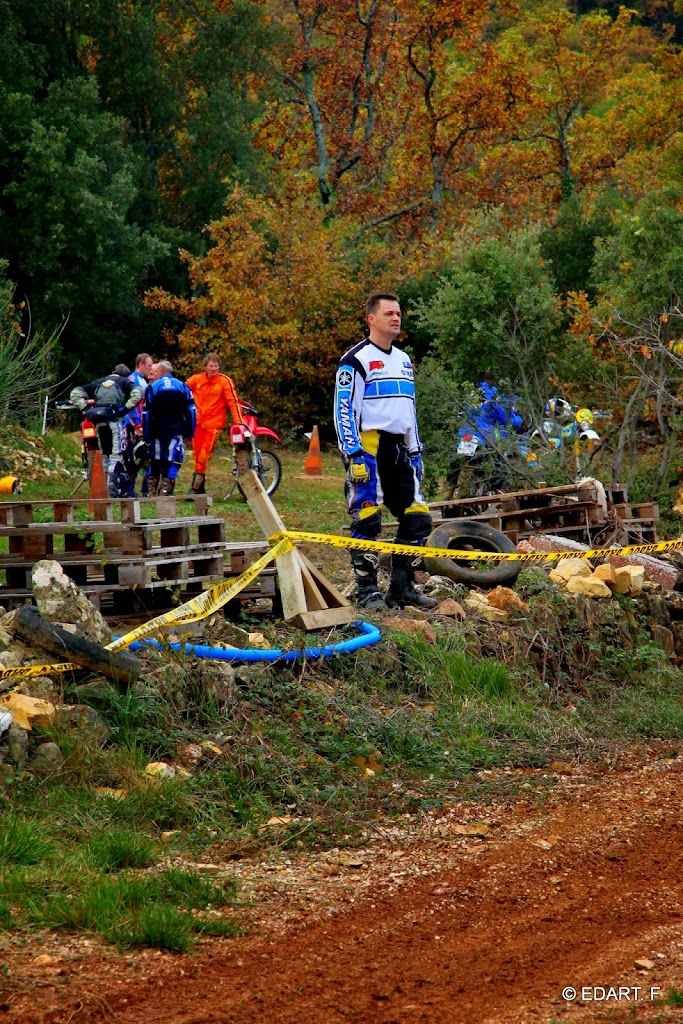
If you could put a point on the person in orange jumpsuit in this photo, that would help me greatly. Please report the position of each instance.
(215, 395)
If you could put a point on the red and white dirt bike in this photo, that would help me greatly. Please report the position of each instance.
(265, 463)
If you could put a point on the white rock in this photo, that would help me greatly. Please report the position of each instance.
(60, 600)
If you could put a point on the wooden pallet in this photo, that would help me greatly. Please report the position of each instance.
(69, 510)
(125, 563)
(572, 511)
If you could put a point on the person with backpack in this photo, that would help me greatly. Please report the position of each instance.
(105, 402)
(134, 455)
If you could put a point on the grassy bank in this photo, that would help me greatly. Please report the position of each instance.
(323, 748)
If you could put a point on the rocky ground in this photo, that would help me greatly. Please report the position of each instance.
(567, 906)
(516, 912)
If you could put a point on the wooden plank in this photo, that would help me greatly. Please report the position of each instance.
(292, 592)
(302, 592)
(325, 619)
(63, 512)
(645, 510)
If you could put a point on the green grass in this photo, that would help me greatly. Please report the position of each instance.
(114, 850)
(22, 841)
(390, 730)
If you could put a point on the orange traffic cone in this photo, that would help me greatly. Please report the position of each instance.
(314, 463)
(98, 480)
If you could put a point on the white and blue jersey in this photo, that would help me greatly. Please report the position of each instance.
(375, 391)
(134, 416)
(374, 416)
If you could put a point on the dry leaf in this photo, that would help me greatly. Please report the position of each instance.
(369, 764)
(279, 821)
(115, 794)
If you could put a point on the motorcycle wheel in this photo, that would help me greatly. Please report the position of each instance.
(464, 535)
(268, 468)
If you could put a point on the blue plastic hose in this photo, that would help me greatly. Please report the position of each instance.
(369, 635)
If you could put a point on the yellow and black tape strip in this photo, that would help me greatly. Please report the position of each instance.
(472, 556)
(199, 607)
(206, 603)
(30, 671)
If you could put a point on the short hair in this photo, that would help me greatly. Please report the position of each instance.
(212, 356)
(142, 358)
(122, 370)
(165, 367)
(374, 301)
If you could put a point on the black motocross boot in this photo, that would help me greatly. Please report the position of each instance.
(197, 486)
(368, 594)
(402, 589)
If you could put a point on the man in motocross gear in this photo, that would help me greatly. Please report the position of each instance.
(132, 428)
(105, 402)
(376, 425)
(168, 420)
(215, 395)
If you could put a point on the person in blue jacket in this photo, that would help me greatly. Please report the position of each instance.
(483, 438)
(168, 420)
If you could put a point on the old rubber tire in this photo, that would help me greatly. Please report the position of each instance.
(465, 535)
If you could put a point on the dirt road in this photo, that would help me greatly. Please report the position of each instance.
(484, 913)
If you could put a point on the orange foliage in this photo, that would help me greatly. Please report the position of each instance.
(276, 298)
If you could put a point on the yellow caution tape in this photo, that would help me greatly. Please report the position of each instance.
(209, 601)
(472, 556)
(206, 603)
(199, 607)
(29, 671)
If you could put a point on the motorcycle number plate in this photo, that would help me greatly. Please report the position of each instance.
(467, 447)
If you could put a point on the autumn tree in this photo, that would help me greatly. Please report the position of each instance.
(604, 98)
(336, 79)
(276, 296)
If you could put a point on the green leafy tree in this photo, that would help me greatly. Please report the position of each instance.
(26, 359)
(119, 127)
(495, 315)
(65, 221)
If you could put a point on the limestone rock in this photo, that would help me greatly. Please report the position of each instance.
(17, 744)
(451, 608)
(42, 687)
(412, 627)
(629, 579)
(441, 588)
(60, 600)
(27, 711)
(480, 605)
(567, 568)
(607, 574)
(48, 758)
(86, 721)
(506, 599)
(591, 586)
(6, 638)
(160, 770)
(664, 637)
(657, 610)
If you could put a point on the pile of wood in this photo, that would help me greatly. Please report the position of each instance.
(125, 563)
(584, 512)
